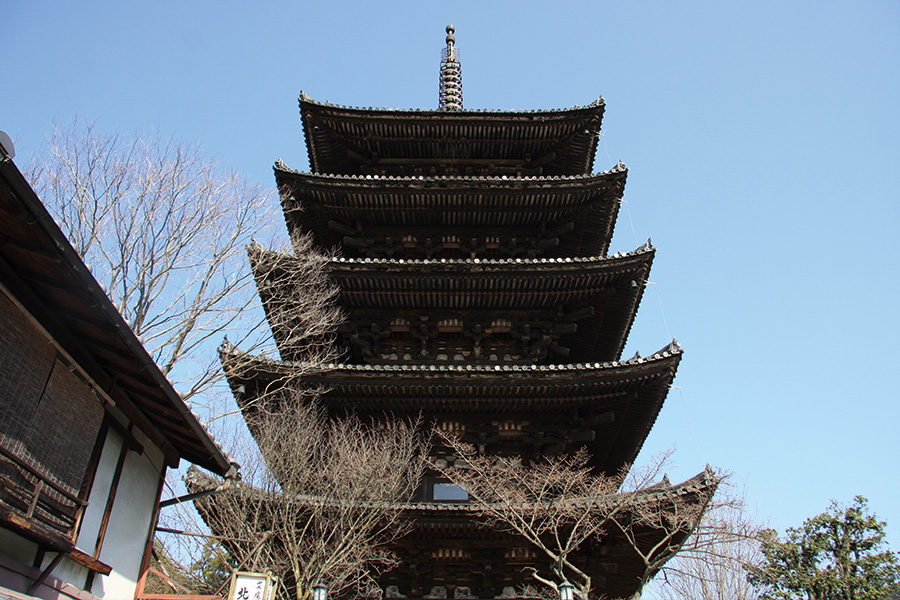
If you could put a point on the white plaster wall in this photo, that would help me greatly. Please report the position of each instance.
(129, 525)
(93, 515)
(67, 570)
(151, 452)
(129, 521)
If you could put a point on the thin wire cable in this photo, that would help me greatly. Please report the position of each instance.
(662, 312)
(655, 290)
(606, 148)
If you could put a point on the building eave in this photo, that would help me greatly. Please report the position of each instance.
(609, 289)
(342, 139)
(56, 285)
(618, 401)
(578, 211)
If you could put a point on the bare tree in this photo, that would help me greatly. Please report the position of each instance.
(326, 503)
(714, 562)
(559, 504)
(556, 505)
(299, 300)
(659, 528)
(301, 307)
(163, 230)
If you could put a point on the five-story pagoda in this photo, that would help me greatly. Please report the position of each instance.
(474, 272)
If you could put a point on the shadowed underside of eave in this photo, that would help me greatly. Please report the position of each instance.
(609, 408)
(425, 217)
(590, 303)
(343, 140)
(50, 282)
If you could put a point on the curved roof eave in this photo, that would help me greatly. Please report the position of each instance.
(379, 181)
(341, 139)
(306, 100)
(237, 361)
(615, 262)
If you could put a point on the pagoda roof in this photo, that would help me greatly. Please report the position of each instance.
(346, 140)
(628, 393)
(590, 202)
(485, 283)
(696, 484)
(705, 481)
(609, 289)
(615, 567)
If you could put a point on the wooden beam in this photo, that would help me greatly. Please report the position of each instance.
(151, 534)
(45, 573)
(89, 562)
(87, 482)
(34, 499)
(39, 251)
(41, 476)
(110, 499)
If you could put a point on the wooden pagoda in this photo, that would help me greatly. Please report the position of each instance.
(479, 292)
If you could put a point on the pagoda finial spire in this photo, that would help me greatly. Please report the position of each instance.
(451, 75)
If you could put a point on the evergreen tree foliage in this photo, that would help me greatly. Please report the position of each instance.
(837, 555)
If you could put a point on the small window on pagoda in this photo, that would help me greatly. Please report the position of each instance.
(449, 492)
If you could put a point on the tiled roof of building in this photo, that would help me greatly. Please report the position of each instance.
(344, 140)
(607, 289)
(610, 407)
(579, 210)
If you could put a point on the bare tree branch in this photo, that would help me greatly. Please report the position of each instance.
(559, 504)
(163, 230)
(328, 498)
(714, 561)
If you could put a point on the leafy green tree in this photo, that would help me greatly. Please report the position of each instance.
(837, 555)
(213, 567)
(205, 575)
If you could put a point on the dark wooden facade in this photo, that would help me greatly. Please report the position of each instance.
(471, 311)
(474, 270)
(454, 216)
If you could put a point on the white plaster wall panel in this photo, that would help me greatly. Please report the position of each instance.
(151, 452)
(93, 516)
(67, 570)
(129, 525)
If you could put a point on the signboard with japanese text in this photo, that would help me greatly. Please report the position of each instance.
(253, 586)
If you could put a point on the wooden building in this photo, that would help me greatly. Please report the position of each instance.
(88, 423)
(475, 273)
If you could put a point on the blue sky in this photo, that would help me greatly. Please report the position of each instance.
(763, 142)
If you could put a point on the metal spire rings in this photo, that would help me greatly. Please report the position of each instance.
(451, 75)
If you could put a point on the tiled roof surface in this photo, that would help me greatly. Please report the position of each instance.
(505, 207)
(343, 140)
